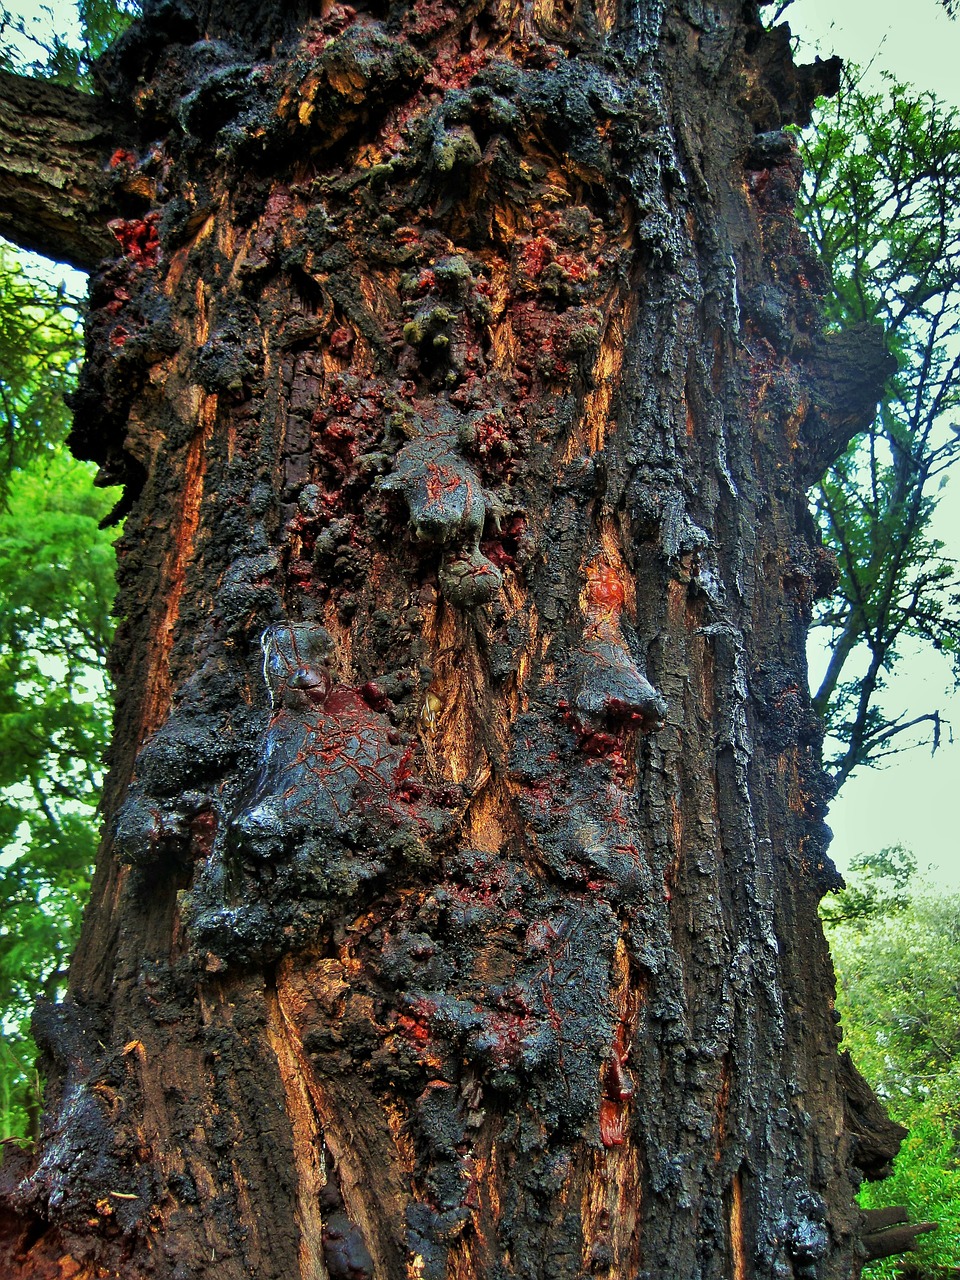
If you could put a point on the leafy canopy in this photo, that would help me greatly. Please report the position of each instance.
(56, 588)
(878, 884)
(38, 46)
(39, 351)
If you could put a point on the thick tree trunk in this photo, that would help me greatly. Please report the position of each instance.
(457, 916)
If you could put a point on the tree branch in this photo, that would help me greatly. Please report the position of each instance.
(876, 1138)
(53, 183)
(887, 1232)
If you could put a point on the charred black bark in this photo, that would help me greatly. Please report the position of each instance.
(457, 916)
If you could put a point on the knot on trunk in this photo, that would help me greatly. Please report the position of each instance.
(846, 378)
(876, 1138)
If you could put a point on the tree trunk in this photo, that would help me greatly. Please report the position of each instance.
(457, 915)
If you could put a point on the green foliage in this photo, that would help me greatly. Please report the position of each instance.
(56, 587)
(881, 201)
(898, 968)
(38, 354)
(878, 884)
(56, 583)
(900, 990)
(38, 46)
(926, 1180)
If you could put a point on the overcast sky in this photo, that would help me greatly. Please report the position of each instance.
(916, 41)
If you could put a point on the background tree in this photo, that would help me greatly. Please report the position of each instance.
(422, 362)
(878, 885)
(897, 949)
(40, 47)
(880, 200)
(56, 585)
(39, 347)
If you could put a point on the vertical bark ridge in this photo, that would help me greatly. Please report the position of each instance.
(307, 1139)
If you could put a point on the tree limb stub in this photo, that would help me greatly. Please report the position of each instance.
(53, 143)
(875, 1220)
(846, 377)
(886, 1233)
(877, 1137)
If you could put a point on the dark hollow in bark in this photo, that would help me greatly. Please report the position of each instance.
(457, 915)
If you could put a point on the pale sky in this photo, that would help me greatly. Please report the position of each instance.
(915, 40)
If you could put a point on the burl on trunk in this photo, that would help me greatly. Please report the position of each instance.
(457, 913)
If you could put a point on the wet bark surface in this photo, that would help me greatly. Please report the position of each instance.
(457, 914)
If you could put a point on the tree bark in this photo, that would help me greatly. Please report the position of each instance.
(55, 182)
(887, 1233)
(457, 915)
